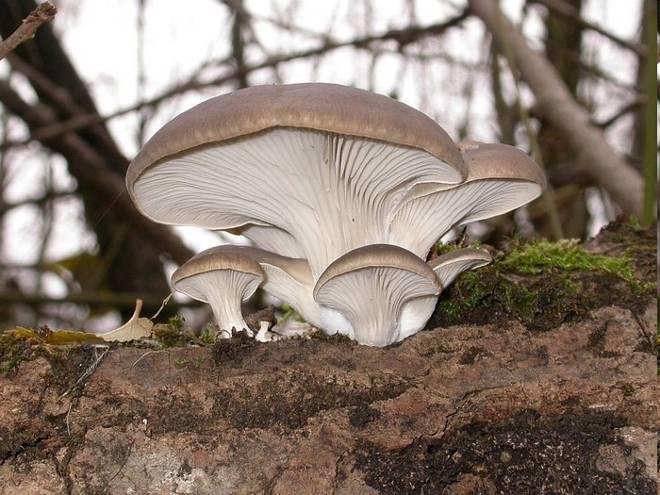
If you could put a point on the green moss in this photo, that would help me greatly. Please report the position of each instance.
(176, 323)
(544, 284)
(174, 334)
(12, 352)
(485, 295)
(288, 312)
(538, 257)
(208, 335)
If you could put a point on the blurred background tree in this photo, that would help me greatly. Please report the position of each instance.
(578, 92)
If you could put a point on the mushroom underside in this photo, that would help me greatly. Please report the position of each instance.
(332, 193)
(420, 222)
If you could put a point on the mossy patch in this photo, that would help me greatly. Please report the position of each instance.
(13, 350)
(67, 362)
(565, 256)
(174, 333)
(545, 284)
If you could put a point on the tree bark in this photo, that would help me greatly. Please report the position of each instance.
(489, 408)
(555, 102)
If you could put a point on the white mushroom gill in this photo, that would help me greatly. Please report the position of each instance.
(450, 265)
(297, 293)
(297, 290)
(371, 299)
(421, 221)
(332, 193)
(223, 290)
(271, 239)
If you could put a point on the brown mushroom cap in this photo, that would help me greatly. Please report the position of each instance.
(325, 107)
(489, 161)
(449, 265)
(246, 259)
(500, 161)
(207, 261)
(376, 256)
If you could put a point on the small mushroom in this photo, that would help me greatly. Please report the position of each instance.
(500, 178)
(222, 282)
(370, 286)
(288, 279)
(450, 265)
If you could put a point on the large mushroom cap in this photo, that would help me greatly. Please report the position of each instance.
(222, 280)
(370, 286)
(327, 107)
(325, 165)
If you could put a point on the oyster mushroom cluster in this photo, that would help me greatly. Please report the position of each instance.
(342, 192)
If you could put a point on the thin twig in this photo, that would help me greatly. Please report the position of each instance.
(145, 355)
(42, 14)
(46, 198)
(68, 427)
(162, 306)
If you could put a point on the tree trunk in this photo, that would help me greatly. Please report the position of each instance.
(555, 103)
(132, 258)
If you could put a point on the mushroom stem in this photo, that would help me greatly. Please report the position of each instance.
(226, 303)
(263, 333)
(223, 291)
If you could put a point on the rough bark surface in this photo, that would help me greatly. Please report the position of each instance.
(478, 408)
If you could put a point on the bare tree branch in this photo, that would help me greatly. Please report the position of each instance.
(43, 13)
(49, 196)
(403, 36)
(117, 300)
(556, 104)
(89, 166)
